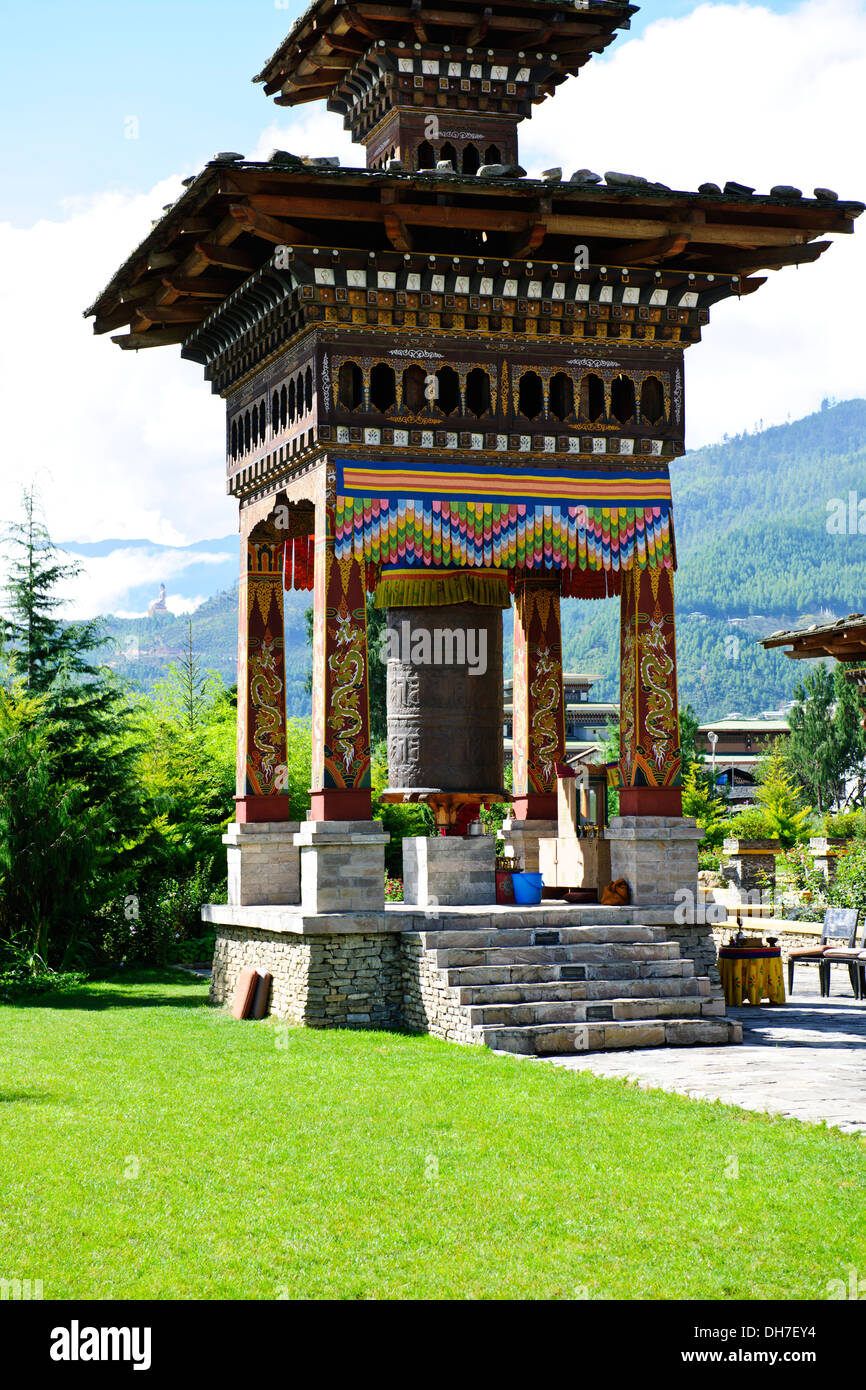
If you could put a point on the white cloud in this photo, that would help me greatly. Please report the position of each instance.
(130, 445)
(105, 582)
(735, 91)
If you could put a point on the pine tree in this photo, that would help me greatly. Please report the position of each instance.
(72, 816)
(780, 799)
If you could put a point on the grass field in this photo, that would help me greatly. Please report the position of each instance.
(151, 1147)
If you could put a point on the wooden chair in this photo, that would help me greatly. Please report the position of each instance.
(839, 928)
(852, 956)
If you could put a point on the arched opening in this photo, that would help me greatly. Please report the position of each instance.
(478, 392)
(652, 401)
(425, 155)
(247, 431)
(492, 155)
(448, 399)
(622, 401)
(448, 152)
(414, 380)
(284, 408)
(383, 387)
(292, 400)
(256, 435)
(531, 396)
(592, 398)
(234, 439)
(351, 386)
(275, 413)
(561, 396)
(471, 159)
(308, 388)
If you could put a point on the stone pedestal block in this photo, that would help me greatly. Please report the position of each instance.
(263, 866)
(656, 855)
(522, 837)
(825, 853)
(449, 871)
(750, 870)
(342, 866)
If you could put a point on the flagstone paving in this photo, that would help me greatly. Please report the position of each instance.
(805, 1059)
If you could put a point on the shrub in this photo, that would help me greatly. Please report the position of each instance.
(847, 824)
(18, 983)
(849, 889)
(393, 889)
(748, 825)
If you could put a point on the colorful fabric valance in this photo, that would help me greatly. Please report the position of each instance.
(445, 515)
(417, 586)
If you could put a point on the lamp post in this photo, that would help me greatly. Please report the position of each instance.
(713, 739)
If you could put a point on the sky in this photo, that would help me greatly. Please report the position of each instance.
(108, 104)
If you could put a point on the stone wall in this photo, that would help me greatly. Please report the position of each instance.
(341, 980)
(429, 1005)
(700, 944)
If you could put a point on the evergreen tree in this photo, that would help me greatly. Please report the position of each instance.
(71, 813)
(823, 745)
(780, 799)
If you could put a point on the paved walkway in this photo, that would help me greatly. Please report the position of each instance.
(805, 1059)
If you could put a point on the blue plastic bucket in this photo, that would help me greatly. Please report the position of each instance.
(527, 888)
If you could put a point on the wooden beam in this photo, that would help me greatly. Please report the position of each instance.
(268, 228)
(656, 249)
(191, 311)
(229, 256)
(432, 215)
(200, 286)
(570, 224)
(157, 337)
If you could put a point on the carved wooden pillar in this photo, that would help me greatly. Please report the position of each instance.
(262, 790)
(539, 710)
(649, 725)
(341, 705)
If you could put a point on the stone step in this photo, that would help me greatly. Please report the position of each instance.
(545, 1039)
(537, 1012)
(568, 972)
(577, 954)
(675, 987)
(435, 939)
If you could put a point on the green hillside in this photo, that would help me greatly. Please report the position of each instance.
(754, 552)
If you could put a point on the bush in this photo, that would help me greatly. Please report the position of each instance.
(393, 890)
(709, 859)
(849, 889)
(162, 922)
(748, 825)
(847, 824)
(18, 983)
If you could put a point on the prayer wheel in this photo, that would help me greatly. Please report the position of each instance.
(445, 698)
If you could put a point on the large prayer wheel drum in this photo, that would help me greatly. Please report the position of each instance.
(445, 712)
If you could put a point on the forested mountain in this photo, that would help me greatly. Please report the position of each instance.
(764, 540)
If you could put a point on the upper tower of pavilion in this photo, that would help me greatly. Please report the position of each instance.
(438, 81)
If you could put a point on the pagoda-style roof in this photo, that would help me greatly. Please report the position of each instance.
(332, 35)
(845, 640)
(225, 226)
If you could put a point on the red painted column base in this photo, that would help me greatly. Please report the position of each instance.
(650, 801)
(337, 803)
(534, 806)
(262, 808)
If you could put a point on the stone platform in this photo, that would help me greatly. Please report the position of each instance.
(535, 980)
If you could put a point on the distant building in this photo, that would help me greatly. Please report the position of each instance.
(741, 743)
(586, 720)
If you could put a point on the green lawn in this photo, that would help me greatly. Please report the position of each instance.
(275, 1162)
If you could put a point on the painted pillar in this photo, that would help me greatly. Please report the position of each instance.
(539, 708)
(262, 790)
(649, 765)
(342, 752)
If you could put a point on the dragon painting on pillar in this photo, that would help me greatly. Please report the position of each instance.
(649, 726)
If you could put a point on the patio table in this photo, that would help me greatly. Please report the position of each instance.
(752, 973)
